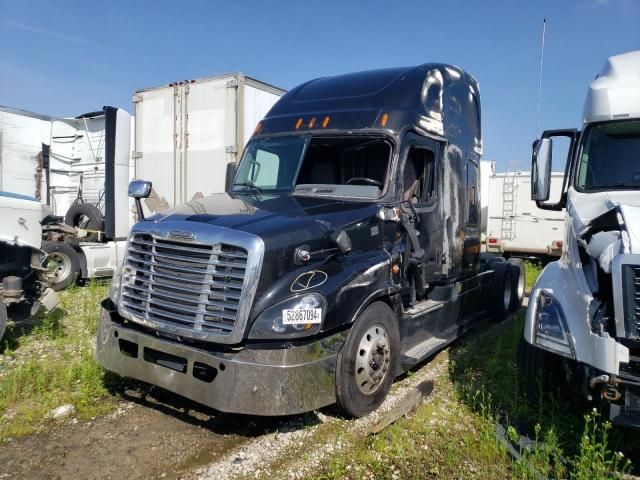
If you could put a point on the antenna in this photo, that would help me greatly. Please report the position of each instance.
(544, 30)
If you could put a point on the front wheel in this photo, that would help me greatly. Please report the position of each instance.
(368, 361)
(62, 264)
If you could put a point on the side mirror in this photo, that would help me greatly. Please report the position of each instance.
(541, 170)
(342, 241)
(232, 168)
(139, 189)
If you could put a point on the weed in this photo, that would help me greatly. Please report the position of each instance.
(49, 361)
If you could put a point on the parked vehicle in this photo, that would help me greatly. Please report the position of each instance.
(187, 132)
(515, 225)
(346, 251)
(78, 168)
(22, 281)
(582, 326)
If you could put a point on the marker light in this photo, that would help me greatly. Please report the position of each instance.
(258, 128)
(384, 119)
(312, 122)
(298, 123)
(325, 122)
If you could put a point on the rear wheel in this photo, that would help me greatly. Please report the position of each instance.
(519, 273)
(62, 264)
(368, 361)
(501, 291)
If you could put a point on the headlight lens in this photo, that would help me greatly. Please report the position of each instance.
(551, 330)
(295, 317)
(114, 289)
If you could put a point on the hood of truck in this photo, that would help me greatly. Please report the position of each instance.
(284, 223)
(272, 216)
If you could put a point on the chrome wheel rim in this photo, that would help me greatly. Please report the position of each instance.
(373, 359)
(520, 285)
(58, 266)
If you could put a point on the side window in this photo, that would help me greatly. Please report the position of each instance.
(263, 170)
(473, 195)
(419, 176)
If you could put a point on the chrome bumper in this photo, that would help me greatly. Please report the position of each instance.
(268, 382)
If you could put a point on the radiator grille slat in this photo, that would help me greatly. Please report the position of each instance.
(631, 295)
(187, 285)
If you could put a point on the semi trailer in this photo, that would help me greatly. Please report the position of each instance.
(582, 328)
(515, 225)
(345, 251)
(186, 133)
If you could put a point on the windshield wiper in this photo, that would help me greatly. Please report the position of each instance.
(248, 184)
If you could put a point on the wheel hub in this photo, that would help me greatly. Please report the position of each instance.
(373, 359)
(59, 266)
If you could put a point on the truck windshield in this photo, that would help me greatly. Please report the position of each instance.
(610, 157)
(315, 166)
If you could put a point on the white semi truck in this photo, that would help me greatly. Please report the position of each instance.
(186, 133)
(22, 279)
(582, 325)
(79, 169)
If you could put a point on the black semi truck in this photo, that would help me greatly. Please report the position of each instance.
(345, 251)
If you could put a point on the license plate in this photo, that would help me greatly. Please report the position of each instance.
(301, 316)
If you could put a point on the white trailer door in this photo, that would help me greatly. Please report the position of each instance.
(209, 136)
(157, 118)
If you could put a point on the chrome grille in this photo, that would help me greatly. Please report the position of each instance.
(631, 296)
(183, 284)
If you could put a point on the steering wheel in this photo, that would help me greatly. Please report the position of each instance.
(364, 181)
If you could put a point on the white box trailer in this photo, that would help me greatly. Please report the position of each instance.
(515, 226)
(187, 132)
(78, 168)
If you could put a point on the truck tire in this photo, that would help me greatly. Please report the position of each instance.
(87, 216)
(520, 278)
(63, 263)
(368, 361)
(501, 291)
(538, 368)
(4, 316)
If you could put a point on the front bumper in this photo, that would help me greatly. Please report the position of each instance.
(270, 382)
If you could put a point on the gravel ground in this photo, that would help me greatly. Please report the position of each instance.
(302, 443)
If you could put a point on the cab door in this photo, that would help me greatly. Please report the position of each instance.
(420, 194)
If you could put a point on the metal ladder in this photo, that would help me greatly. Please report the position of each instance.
(508, 227)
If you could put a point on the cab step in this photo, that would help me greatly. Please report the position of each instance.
(423, 307)
(428, 347)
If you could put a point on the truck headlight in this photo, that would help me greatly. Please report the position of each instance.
(295, 317)
(551, 330)
(114, 289)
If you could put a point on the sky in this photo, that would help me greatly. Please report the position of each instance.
(68, 57)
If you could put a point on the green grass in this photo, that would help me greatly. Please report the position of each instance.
(452, 434)
(443, 438)
(49, 361)
(532, 270)
(564, 428)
